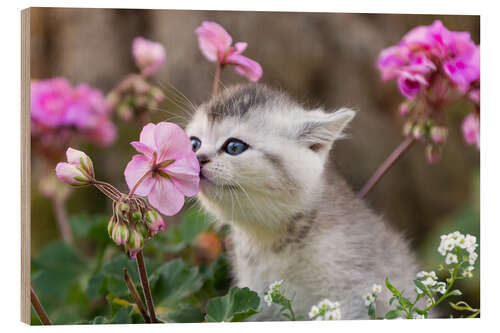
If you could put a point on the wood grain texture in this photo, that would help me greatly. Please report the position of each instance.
(25, 168)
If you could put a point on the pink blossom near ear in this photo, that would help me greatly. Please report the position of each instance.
(471, 129)
(410, 84)
(148, 55)
(464, 68)
(166, 167)
(215, 44)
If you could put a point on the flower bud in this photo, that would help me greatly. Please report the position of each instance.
(154, 221)
(157, 94)
(407, 128)
(125, 112)
(72, 175)
(433, 153)
(439, 134)
(148, 55)
(78, 170)
(418, 131)
(143, 230)
(120, 234)
(122, 210)
(404, 109)
(135, 242)
(111, 226)
(137, 216)
(81, 160)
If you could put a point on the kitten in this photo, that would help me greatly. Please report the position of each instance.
(264, 171)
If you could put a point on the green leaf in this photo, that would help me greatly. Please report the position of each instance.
(405, 302)
(187, 314)
(57, 268)
(90, 227)
(113, 272)
(174, 281)
(237, 305)
(371, 310)
(393, 314)
(123, 316)
(392, 289)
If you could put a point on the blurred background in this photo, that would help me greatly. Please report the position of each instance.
(319, 58)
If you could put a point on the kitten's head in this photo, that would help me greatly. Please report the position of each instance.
(262, 155)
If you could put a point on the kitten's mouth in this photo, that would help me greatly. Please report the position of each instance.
(206, 182)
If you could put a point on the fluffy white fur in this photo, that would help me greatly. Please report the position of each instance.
(291, 219)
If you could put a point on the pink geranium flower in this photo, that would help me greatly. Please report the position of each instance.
(148, 55)
(166, 170)
(60, 112)
(471, 129)
(215, 44)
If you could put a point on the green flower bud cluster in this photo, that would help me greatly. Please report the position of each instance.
(133, 222)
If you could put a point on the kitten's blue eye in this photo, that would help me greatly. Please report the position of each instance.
(235, 146)
(195, 143)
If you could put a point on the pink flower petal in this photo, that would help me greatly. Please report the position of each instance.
(147, 135)
(135, 169)
(246, 67)
(143, 149)
(166, 198)
(170, 141)
(213, 40)
(185, 173)
(240, 47)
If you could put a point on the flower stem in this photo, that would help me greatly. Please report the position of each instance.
(107, 193)
(215, 87)
(136, 296)
(39, 308)
(62, 219)
(386, 165)
(145, 286)
(132, 191)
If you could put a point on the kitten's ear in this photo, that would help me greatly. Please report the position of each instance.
(321, 129)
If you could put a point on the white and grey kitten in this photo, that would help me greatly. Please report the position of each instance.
(264, 169)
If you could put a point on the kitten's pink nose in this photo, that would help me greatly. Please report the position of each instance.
(203, 159)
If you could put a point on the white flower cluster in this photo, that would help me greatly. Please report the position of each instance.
(456, 240)
(274, 289)
(370, 297)
(429, 279)
(325, 310)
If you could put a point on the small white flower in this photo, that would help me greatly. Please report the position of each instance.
(428, 302)
(432, 274)
(442, 250)
(377, 289)
(461, 242)
(276, 285)
(268, 299)
(468, 272)
(325, 304)
(333, 315)
(421, 274)
(449, 244)
(450, 259)
(314, 312)
(472, 258)
(419, 291)
(368, 298)
(429, 282)
(418, 316)
(441, 287)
